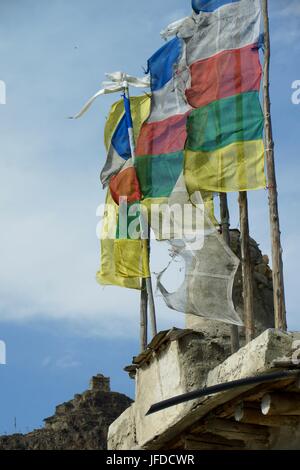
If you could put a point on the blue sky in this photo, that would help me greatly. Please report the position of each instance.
(59, 325)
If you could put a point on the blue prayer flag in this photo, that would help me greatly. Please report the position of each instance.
(209, 5)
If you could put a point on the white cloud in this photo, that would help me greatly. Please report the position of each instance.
(65, 362)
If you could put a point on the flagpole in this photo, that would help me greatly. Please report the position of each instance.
(150, 294)
(277, 264)
(246, 268)
(146, 289)
(225, 225)
(143, 316)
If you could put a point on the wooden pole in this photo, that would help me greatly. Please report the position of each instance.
(225, 218)
(246, 268)
(277, 265)
(146, 289)
(246, 413)
(143, 316)
(274, 404)
(150, 293)
(225, 225)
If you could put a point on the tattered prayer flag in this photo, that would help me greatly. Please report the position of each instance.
(124, 261)
(116, 134)
(125, 183)
(224, 149)
(206, 123)
(206, 117)
(160, 145)
(108, 273)
(210, 5)
(210, 268)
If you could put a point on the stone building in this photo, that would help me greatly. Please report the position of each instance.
(261, 415)
(265, 415)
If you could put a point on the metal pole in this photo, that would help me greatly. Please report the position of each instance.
(277, 264)
(225, 224)
(146, 291)
(246, 268)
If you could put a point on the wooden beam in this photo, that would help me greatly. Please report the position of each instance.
(245, 413)
(210, 441)
(246, 268)
(283, 363)
(233, 430)
(225, 226)
(190, 444)
(281, 404)
(277, 264)
(209, 437)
